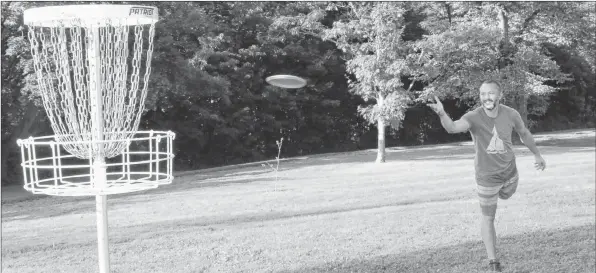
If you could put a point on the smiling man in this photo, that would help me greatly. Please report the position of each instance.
(491, 126)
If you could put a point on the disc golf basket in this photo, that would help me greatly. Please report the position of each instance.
(92, 64)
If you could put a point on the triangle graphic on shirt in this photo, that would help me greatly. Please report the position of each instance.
(495, 146)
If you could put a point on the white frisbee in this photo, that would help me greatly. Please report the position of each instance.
(286, 81)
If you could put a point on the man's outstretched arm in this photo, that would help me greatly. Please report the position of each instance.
(452, 127)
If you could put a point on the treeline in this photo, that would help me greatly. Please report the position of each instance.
(369, 66)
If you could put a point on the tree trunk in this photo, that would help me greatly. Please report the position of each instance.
(381, 140)
(506, 52)
(588, 112)
(521, 102)
(381, 131)
(504, 24)
(505, 46)
(448, 10)
(4, 164)
(523, 108)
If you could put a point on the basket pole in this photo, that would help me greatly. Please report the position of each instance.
(99, 169)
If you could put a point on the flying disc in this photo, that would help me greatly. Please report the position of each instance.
(286, 81)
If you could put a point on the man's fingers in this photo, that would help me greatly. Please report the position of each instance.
(437, 99)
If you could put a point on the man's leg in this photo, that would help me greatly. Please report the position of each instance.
(489, 236)
(489, 194)
(488, 203)
(488, 197)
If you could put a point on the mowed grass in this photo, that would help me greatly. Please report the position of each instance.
(418, 212)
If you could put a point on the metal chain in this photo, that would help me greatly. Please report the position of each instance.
(61, 60)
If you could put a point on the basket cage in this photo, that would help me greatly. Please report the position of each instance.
(145, 163)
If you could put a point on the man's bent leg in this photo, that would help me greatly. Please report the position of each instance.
(509, 187)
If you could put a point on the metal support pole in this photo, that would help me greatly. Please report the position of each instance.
(101, 202)
(99, 168)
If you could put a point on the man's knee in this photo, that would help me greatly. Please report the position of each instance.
(504, 196)
(506, 193)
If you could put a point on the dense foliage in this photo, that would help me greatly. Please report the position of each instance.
(368, 66)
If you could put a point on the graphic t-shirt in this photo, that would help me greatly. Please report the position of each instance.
(492, 139)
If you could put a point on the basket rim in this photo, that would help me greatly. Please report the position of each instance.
(51, 139)
(100, 15)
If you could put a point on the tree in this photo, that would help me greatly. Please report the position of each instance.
(573, 105)
(22, 113)
(470, 42)
(371, 37)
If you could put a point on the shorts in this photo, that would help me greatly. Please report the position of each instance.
(492, 187)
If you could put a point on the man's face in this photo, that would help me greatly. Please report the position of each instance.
(490, 96)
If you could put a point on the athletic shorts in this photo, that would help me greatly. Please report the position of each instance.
(492, 187)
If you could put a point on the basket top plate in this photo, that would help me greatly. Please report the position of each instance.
(90, 15)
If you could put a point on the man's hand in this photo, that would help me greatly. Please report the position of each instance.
(539, 164)
(451, 127)
(437, 107)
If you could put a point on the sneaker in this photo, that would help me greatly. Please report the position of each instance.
(494, 265)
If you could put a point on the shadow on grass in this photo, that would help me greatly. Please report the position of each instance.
(581, 141)
(200, 183)
(194, 181)
(275, 215)
(564, 250)
(548, 144)
(55, 205)
(88, 205)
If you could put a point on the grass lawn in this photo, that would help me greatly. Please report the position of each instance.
(418, 212)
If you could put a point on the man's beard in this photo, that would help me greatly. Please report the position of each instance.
(489, 104)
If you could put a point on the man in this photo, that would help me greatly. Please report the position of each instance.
(491, 126)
